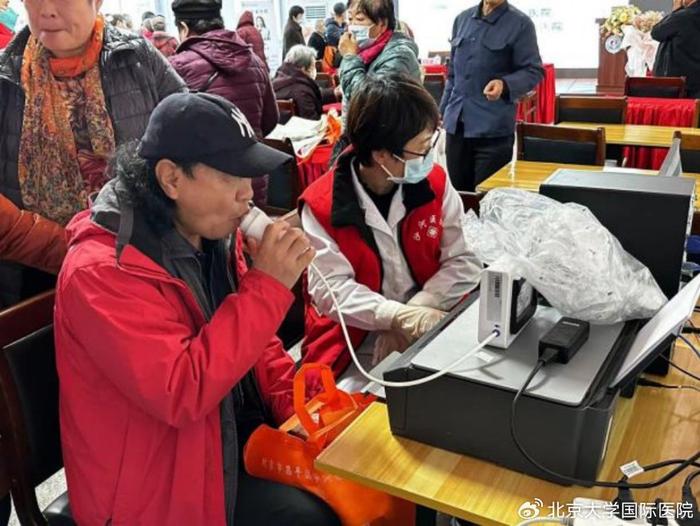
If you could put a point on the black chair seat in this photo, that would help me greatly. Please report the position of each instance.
(58, 512)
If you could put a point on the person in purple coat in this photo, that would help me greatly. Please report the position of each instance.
(250, 34)
(215, 60)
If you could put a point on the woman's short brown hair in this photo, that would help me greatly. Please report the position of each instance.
(376, 10)
(386, 112)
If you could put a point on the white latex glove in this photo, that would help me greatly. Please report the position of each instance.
(414, 322)
(387, 342)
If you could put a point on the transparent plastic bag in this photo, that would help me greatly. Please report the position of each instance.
(565, 253)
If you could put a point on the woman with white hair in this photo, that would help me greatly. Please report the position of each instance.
(296, 80)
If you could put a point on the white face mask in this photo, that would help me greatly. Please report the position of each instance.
(361, 34)
(415, 170)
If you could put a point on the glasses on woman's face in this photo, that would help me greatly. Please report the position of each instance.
(433, 143)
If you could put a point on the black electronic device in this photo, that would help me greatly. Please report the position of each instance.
(566, 338)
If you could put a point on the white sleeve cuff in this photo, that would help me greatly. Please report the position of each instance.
(385, 314)
(425, 299)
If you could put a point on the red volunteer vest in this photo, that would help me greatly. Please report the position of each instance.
(334, 203)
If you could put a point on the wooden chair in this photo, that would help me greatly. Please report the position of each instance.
(605, 110)
(287, 110)
(471, 200)
(528, 103)
(324, 80)
(444, 56)
(29, 425)
(696, 115)
(554, 144)
(435, 85)
(319, 66)
(690, 152)
(661, 87)
(284, 185)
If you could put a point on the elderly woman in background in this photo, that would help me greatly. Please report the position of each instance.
(71, 90)
(296, 80)
(154, 30)
(317, 40)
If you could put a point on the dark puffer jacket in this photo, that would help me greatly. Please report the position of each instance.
(293, 35)
(242, 78)
(291, 82)
(135, 78)
(248, 32)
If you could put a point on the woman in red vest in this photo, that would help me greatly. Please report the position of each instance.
(387, 227)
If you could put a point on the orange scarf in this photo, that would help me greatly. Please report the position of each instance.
(67, 133)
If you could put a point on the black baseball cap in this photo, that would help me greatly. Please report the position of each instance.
(208, 129)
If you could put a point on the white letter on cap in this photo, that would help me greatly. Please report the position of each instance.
(243, 123)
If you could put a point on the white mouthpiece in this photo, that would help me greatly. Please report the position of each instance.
(254, 223)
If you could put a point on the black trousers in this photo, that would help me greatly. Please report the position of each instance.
(264, 503)
(5, 510)
(470, 161)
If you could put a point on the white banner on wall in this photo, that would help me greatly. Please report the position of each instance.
(567, 31)
(267, 20)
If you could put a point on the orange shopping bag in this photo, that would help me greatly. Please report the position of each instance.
(279, 456)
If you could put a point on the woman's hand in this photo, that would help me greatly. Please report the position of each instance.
(348, 45)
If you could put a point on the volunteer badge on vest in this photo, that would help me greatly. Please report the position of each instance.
(428, 227)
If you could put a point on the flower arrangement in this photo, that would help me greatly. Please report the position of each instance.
(620, 16)
(647, 20)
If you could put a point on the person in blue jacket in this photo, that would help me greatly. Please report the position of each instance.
(495, 60)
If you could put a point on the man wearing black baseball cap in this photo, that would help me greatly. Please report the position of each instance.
(165, 343)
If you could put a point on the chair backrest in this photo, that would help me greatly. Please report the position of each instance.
(319, 66)
(690, 152)
(29, 424)
(470, 200)
(659, 87)
(528, 103)
(696, 115)
(555, 144)
(605, 110)
(284, 184)
(444, 56)
(324, 80)
(435, 84)
(287, 110)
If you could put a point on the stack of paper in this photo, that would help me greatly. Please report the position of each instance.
(304, 134)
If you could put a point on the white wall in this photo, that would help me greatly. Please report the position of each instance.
(567, 32)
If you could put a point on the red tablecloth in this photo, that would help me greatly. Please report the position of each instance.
(546, 93)
(435, 69)
(315, 166)
(337, 106)
(657, 112)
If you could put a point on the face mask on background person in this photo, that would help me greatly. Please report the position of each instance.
(361, 34)
(415, 170)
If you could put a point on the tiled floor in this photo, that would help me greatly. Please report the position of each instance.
(573, 86)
